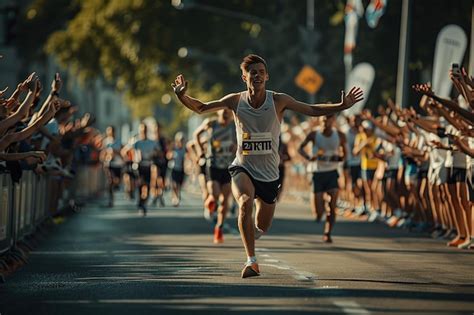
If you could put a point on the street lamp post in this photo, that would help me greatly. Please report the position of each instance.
(310, 28)
(403, 54)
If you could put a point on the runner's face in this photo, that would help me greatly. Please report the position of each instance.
(329, 121)
(256, 76)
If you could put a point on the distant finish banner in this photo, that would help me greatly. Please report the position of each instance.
(450, 48)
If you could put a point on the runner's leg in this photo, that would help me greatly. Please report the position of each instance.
(244, 192)
(264, 215)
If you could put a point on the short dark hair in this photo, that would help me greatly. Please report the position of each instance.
(251, 59)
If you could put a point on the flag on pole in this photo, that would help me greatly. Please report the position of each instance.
(374, 12)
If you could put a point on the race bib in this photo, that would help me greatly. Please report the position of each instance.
(257, 143)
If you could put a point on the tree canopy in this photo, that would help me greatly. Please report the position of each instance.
(134, 44)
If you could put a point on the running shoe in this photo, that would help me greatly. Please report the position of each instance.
(456, 242)
(327, 238)
(142, 210)
(250, 270)
(466, 244)
(401, 223)
(218, 235)
(438, 234)
(450, 234)
(373, 216)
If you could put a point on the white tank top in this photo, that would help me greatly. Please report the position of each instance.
(258, 132)
(326, 147)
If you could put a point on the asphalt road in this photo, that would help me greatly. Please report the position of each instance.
(112, 261)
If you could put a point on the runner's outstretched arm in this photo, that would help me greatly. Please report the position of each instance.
(287, 102)
(180, 87)
(309, 138)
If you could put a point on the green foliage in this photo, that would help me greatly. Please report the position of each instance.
(133, 44)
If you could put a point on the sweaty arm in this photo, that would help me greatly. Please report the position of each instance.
(465, 114)
(284, 101)
(180, 87)
(309, 138)
(6, 140)
(428, 125)
(197, 135)
(229, 101)
(19, 114)
(21, 155)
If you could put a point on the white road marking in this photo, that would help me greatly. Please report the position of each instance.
(351, 307)
(278, 264)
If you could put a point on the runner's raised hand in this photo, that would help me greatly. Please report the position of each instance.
(180, 85)
(355, 95)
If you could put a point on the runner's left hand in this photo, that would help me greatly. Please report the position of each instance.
(355, 95)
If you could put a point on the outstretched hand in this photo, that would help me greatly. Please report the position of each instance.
(355, 95)
(424, 89)
(180, 85)
(57, 83)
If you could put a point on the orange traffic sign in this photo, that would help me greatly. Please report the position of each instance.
(309, 80)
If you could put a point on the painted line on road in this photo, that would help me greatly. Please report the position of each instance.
(302, 276)
(351, 307)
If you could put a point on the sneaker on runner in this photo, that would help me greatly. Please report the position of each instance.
(218, 235)
(250, 270)
(327, 238)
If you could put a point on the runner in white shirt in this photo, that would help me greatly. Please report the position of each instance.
(257, 115)
(113, 161)
(329, 149)
(145, 151)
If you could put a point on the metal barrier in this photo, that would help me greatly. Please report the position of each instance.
(6, 207)
(26, 205)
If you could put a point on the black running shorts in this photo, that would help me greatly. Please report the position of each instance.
(177, 176)
(115, 171)
(325, 181)
(267, 191)
(145, 173)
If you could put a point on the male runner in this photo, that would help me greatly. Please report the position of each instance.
(257, 115)
(144, 152)
(328, 144)
(220, 153)
(113, 161)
